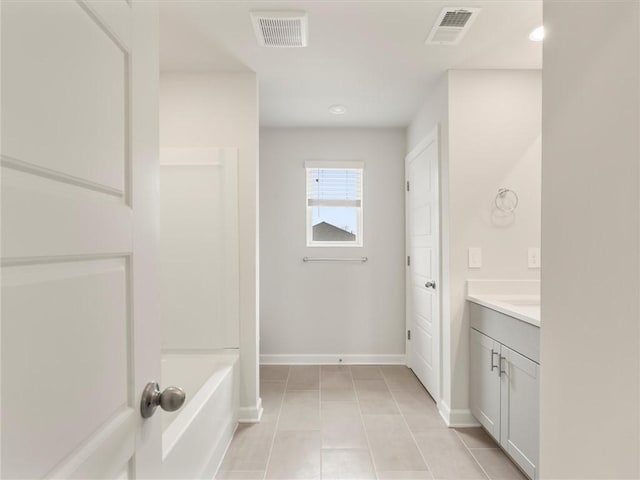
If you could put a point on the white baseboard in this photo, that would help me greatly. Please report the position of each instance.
(332, 359)
(251, 414)
(456, 418)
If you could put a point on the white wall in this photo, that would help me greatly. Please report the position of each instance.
(435, 112)
(590, 346)
(491, 138)
(221, 110)
(334, 309)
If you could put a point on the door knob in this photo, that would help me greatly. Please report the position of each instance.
(430, 285)
(170, 399)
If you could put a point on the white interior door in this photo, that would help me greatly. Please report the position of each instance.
(80, 326)
(423, 277)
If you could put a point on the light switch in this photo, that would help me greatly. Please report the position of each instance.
(475, 257)
(533, 257)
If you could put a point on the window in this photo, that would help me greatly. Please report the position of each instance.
(334, 204)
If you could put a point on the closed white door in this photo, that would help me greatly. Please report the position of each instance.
(80, 323)
(484, 381)
(423, 278)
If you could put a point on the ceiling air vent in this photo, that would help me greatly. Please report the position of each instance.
(280, 29)
(452, 25)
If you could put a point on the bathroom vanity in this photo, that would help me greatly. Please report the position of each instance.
(505, 369)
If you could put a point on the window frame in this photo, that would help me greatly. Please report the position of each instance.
(335, 164)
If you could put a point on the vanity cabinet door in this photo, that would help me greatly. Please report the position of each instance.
(520, 412)
(485, 382)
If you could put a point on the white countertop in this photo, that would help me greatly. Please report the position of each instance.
(518, 299)
(523, 307)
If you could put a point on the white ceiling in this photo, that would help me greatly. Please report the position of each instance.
(367, 55)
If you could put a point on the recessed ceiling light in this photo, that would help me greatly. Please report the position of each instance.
(338, 109)
(537, 35)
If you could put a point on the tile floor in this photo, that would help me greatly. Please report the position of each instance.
(356, 422)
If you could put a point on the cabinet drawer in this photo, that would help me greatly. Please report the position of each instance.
(519, 336)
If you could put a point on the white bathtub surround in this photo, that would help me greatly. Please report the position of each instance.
(208, 110)
(196, 437)
(517, 298)
(199, 248)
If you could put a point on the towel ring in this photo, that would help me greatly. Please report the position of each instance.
(502, 200)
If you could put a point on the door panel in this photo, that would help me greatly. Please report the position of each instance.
(423, 244)
(485, 381)
(423, 262)
(48, 217)
(422, 227)
(422, 303)
(46, 309)
(520, 414)
(73, 256)
(86, 86)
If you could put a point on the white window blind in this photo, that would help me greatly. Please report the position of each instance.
(334, 187)
(334, 203)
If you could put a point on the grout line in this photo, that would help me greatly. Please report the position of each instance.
(482, 448)
(415, 442)
(364, 427)
(275, 432)
(471, 453)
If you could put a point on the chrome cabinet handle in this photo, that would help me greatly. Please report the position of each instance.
(430, 285)
(170, 399)
(501, 370)
(493, 352)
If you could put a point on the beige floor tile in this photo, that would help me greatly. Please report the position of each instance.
(392, 445)
(300, 411)
(271, 393)
(447, 456)
(375, 397)
(399, 377)
(414, 402)
(274, 372)
(250, 475)
(336, 380)
(295, 455)
(342, 426)
(497, 464)
(338, 394)
(423, 475)
(426, 421)
(335, 369)
(250, 447)
(304, 378)
(476, 438)
(366, 372)
(343, 464)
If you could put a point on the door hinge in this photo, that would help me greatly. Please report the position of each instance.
(408, 186)
(408, 261)
(408, 334)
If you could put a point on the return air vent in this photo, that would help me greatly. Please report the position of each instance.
(452, 25)
(280, 29)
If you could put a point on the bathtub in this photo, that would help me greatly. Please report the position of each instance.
(195, 437)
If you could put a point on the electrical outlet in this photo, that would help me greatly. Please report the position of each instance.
(475, 257)
(533, 257)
